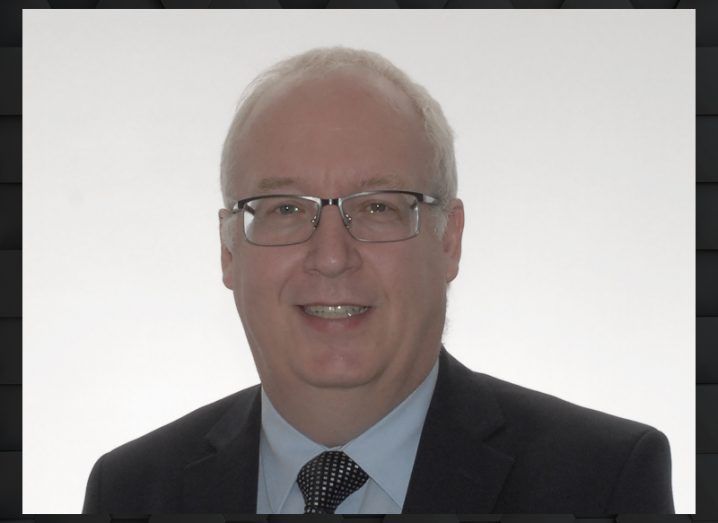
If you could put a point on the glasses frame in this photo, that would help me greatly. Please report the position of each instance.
(239, 206)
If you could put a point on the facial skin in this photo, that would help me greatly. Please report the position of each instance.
(332, 136)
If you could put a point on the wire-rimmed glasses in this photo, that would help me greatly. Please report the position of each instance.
(372, 216)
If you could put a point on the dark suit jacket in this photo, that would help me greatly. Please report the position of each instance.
(486, 446)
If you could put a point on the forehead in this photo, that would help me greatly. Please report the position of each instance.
(342, 131)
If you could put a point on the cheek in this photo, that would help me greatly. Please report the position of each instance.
(261, 275)
(413, 278)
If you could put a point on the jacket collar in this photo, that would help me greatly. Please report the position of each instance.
(456, 470)
(224, 475)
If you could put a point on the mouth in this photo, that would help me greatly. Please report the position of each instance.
(334, 312)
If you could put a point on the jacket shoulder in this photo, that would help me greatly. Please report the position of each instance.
(550, 414)
(148, 469)
(181, 435)
(624, 464)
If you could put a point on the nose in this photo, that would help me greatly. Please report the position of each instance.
(332, 250)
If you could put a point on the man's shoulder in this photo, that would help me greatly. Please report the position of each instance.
(516, 410)
(550, 415)
(146, 473)
(624, 465)
(174, 445)
(562, 456)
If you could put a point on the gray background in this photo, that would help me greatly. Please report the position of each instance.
(575, 143)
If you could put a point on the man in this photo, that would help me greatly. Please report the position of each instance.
(340, 235)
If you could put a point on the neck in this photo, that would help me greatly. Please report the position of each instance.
(334, 416)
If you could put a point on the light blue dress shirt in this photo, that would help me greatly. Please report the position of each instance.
(385, 451)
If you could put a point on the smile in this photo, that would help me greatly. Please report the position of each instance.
(334, 312)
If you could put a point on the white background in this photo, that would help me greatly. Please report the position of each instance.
(575, 147)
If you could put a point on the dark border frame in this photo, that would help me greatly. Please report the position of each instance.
(11, 251)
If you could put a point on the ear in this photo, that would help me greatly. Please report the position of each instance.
(226, 255)
(451, 240)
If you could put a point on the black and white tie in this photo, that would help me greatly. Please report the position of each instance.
(327, 480)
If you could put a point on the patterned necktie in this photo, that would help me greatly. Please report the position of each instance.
(327, 480)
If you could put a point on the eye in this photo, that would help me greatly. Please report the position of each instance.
(288, 209)
(377, 208)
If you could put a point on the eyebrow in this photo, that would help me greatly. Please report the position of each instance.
(386, 181)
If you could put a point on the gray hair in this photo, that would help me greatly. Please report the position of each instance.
(321, 61)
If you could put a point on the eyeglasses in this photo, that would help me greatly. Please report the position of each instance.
(373, 216)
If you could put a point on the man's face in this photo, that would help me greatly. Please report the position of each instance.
(330, 137)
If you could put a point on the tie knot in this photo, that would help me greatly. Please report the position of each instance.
(327, 480)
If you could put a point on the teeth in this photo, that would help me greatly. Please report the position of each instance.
(334, 312)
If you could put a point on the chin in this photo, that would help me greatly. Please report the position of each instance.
(337, 381)
(340, 369)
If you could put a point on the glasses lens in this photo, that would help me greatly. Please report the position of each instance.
(279, 220)
(383, 217)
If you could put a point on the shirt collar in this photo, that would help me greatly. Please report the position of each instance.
(385, 451)
(283, 451)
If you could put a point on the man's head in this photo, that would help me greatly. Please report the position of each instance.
(331, 123)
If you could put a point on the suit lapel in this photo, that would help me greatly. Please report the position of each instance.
(225, 471)
(456, 470)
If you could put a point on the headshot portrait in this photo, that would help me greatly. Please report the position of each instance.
(291, 263)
